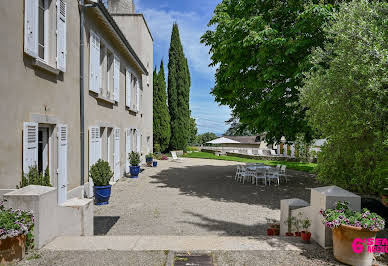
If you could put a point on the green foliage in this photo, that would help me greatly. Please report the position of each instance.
(161, 116)
(205, 137)
(300, 166)
(100, 173)
(16, 222)
(134, 158)
(260, 49)
(237, 128)
(150, 156)
(192, 131)
(347, 95)
(35, 178)
(157, 148)
(178, 93)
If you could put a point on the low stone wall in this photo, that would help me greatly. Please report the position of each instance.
(264, 158)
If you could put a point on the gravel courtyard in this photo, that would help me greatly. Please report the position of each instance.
(195, 197)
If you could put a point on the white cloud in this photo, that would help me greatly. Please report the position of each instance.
(191, 28)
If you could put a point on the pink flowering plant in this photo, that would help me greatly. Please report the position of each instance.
(16, 222)
(365, 219)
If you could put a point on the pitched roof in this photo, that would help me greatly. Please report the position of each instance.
(245, 139)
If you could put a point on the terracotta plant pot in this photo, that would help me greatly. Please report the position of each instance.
(297, 234)
(269, 232)
(12, 248)
(275, 231)
(343, 237)
(289, 234)
(305, 236)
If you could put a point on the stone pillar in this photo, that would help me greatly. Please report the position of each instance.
(278, 149)
(293, 150)
(285, 150)
(286, 207)
(326, 198)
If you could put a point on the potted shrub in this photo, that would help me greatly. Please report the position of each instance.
(297, 224)
(149, 158)
(16, 227)
(134, 160)
(290, 221)
(101, 174)
(305, 234)
(348, 225)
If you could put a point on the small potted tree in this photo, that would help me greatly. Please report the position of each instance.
(101, 174)
(134, 160)
(290, 222)
(149, 158)
(305, 234)
(349, 227)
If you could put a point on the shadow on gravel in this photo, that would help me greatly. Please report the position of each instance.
(217, 183)
(226, 228)
(102, 224)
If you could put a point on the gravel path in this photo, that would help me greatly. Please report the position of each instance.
(194, 197)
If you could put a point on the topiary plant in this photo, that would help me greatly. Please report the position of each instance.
(134, 158)
(100, 173)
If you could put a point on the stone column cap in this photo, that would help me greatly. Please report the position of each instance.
(335, 191)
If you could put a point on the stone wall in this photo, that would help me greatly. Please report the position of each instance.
(264, 158)
(121, 6)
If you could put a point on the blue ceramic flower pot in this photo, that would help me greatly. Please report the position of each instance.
(135, 170)
(102, 194)
(154, 163)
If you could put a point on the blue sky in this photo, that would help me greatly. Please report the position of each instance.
(192, 18)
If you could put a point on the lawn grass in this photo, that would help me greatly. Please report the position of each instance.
(306, 167)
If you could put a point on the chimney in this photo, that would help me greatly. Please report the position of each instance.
(121, 6)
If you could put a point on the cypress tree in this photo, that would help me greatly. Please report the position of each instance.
(164, 123)
(156, 107)
(178, 92)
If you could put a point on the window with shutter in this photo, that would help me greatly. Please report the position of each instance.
(138, 142)
(61, 35)
(117, 155)
(30, 146)
(137, 96)
(31, 27)
(94, 58)
(128, 89)
(116, 77)
(128, 148)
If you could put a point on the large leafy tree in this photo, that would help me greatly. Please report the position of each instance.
(193, 130)
(236, 128)
(205, 137)
(162, 130)
(178, 93)
(260, 49)
(347, 97)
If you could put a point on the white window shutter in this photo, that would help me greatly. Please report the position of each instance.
(31, 27)
(116, 78)
(62, 163)
(116, 160)
(61, 35)
(94, 152)
(94, 58)
(128, 140)
(30, 146)
(137, 96)
(138, 142)
(128, 88)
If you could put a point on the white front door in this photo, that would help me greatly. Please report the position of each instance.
(62, 164)
(116, 154)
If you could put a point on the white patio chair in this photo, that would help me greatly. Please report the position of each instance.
(260, 174)
(282, 172)
(239, 172)
(175, 157)
(273, 153)
(249, 175)
(272, 174)
(242, 172)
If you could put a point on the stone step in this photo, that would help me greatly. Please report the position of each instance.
(175, 243)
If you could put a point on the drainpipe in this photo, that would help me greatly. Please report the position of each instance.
(82, 8)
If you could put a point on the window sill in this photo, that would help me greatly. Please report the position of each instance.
(44, 66)
(102, 98)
